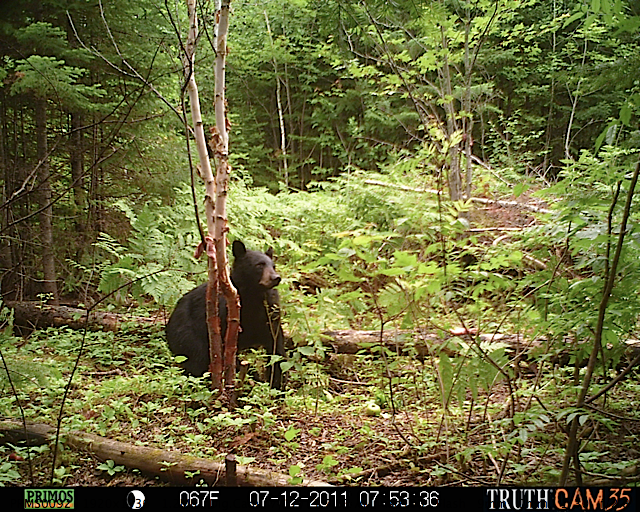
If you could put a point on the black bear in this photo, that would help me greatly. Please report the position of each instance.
(254, 276)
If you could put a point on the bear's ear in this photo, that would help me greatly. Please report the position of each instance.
(269, 252)
(239, 250)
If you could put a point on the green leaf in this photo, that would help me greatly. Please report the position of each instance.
(446, 375)
(329, 461)
(362, 240)
(347, 275)
(393, 272)
(589, 21)
(523, 435)
(291, 434)
(294, 470)
(286, 365)
(307, 351)
(625, 114)
(404, 259)
(600, 138)
(572, 18)
(519, 189)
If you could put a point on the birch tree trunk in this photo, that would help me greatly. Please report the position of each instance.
(283, 138)
(574, 98)
(213, 317)
(221, 152)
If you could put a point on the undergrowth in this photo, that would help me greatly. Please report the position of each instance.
(476, 384)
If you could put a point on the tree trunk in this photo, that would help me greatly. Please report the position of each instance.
(467, 120)
(223, 170)
(481, 200)
(283, 138)
(454, 178)
(547, 161)
(46, 216)
(574, 105)
(7, 275)
(213, 316)
(76, 162)
(16, 179)
(216, 190)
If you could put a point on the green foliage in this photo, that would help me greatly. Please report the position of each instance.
(8, 473)
(22, 370)
(110, 467)
(48, 77)
(155, 260)
(328, 462)
(557, 70)
(588, 226)
(45, 39)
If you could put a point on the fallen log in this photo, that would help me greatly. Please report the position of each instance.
(168, 466)
(424, 344)
(349, 341)
(35, 315)
(481, 200)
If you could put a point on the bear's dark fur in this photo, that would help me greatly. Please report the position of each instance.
(254, 276)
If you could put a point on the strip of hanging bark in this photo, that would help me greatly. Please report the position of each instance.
(169, 466)
(481, 200)
(35, 315)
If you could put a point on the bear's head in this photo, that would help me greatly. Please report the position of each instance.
(253, 270)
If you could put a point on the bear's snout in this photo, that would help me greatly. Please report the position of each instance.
(270, 278)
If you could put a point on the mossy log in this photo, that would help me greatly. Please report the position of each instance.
(35, 315)
(169, 466)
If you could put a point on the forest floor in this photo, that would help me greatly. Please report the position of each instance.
(322, 425)
(394, 455)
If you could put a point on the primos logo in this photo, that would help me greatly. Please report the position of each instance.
(48, 498)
